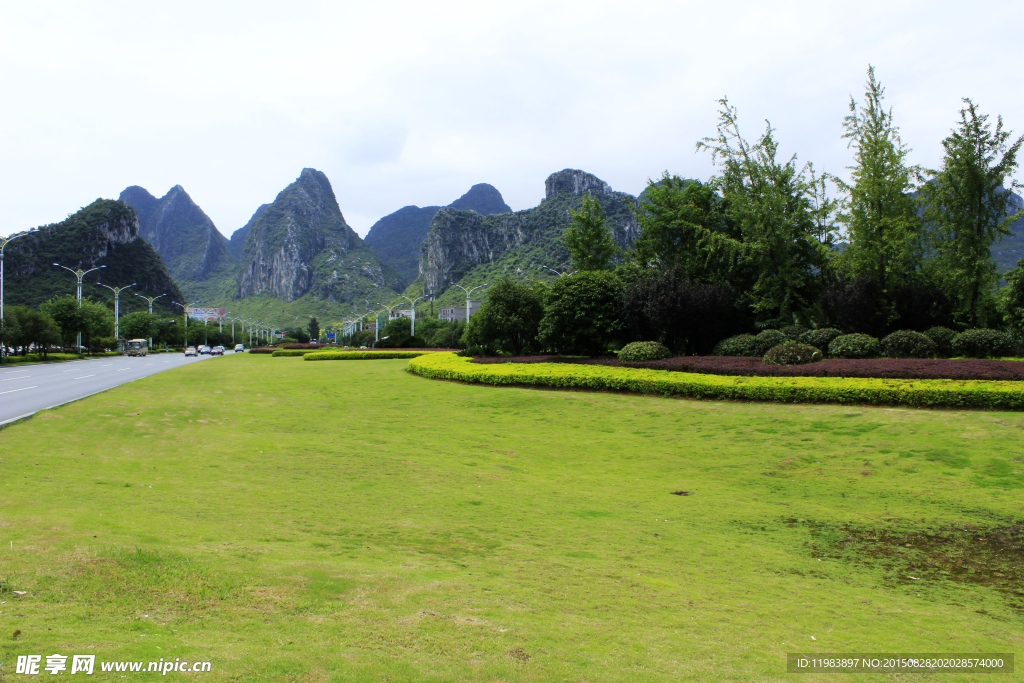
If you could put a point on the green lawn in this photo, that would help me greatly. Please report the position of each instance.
(300, 521)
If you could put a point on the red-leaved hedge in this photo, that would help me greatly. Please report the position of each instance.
(881, 368)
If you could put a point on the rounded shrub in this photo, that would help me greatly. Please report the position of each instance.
(792, 354)
(640, 352)
(739, 345)
(983, 343)
(794, 332)
(820, 338)
(909, 344)
(854, 346)
(767, 340)
(943, 338)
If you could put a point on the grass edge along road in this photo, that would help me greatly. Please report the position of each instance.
(352, 521)
(935, 393)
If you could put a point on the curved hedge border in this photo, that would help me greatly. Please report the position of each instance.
(360, 355)
(935, 393)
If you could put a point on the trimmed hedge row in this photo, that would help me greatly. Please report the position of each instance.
(991, 395)
(361, 355)
(293, 352)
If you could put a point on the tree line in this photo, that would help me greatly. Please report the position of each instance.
(768, 243)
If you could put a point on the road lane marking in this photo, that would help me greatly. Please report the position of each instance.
(13, 390)
(84, 376)
(11, 379)
(123, 369)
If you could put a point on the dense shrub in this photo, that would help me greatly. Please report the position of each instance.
(983, 343)
(794, 332)
(908, 344)
(921, 304)
(361, 355)
(768, 339)
(856, 304)
(582, 313)
(820, 338)
(856, 391)
(688, 317)
(510, 318)
(943, 338)
(639, 352)
(792, 354)
(738, 345)
(854, 346)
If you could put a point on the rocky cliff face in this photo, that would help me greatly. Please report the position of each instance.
(460, 241)
(1010, 249)
(105, 233)
(301, 243)
(187, 240)
(397, 237)
(237, 242)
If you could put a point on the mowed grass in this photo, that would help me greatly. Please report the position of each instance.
(297, 521)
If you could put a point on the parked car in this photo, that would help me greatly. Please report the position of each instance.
(239, 348)
(191, 351)
(217, 351)
(204, 349)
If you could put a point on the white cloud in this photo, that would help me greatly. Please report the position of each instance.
(412, 102)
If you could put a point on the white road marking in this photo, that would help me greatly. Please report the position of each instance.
(13, 390)
(11, 379)
(84, 376)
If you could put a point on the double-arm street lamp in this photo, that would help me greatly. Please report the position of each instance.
(79, 274)
(559, 274)
(117, 308)
(150, 299)
(184, 309)
(3, 243)
(412, 302)
(468, 293)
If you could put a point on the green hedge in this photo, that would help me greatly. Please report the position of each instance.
(292, 352)
(919, 393)
(361, 355)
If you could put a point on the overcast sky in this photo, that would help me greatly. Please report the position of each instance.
(413, 102)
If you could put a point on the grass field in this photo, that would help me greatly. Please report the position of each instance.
(294, 521)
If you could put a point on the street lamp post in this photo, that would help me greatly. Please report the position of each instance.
(184, 309)
(413, 302)
(150, 299)
(390, 313)
(3, 243)
(468, 293)
(557, 272)
(117, 308)
(79, 274)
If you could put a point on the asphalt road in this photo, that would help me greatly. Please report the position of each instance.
(27, 388)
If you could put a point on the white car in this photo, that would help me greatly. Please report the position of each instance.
(191, 351)
(239, 348)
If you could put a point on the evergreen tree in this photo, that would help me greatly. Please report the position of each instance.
(880, 215)
(588, 239)
(966, 207)
(772, 205)
(1012, 299)
(314, 328)
(510, 318)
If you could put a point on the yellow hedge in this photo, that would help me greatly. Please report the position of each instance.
(919, 393)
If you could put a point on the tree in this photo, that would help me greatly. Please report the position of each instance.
(10, 330)
(772, 205)
(510, 318)
(98, 321)
(314, 328)
(588, 239)
(582, 313)
(34, 328)
(1012, 299)
(881, 219)
(685, 316)
(966, 209)
(138, 325)
(68, 316)
(679, 222)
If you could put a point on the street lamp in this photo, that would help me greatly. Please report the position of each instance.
(3, 243)
(184, 309)
(117, 308)
(79, 274)
(558, 273)
(468, 293)
(413, 302)
(150, 299)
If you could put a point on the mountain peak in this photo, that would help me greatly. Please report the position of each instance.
(575, 182)
(482, 198)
